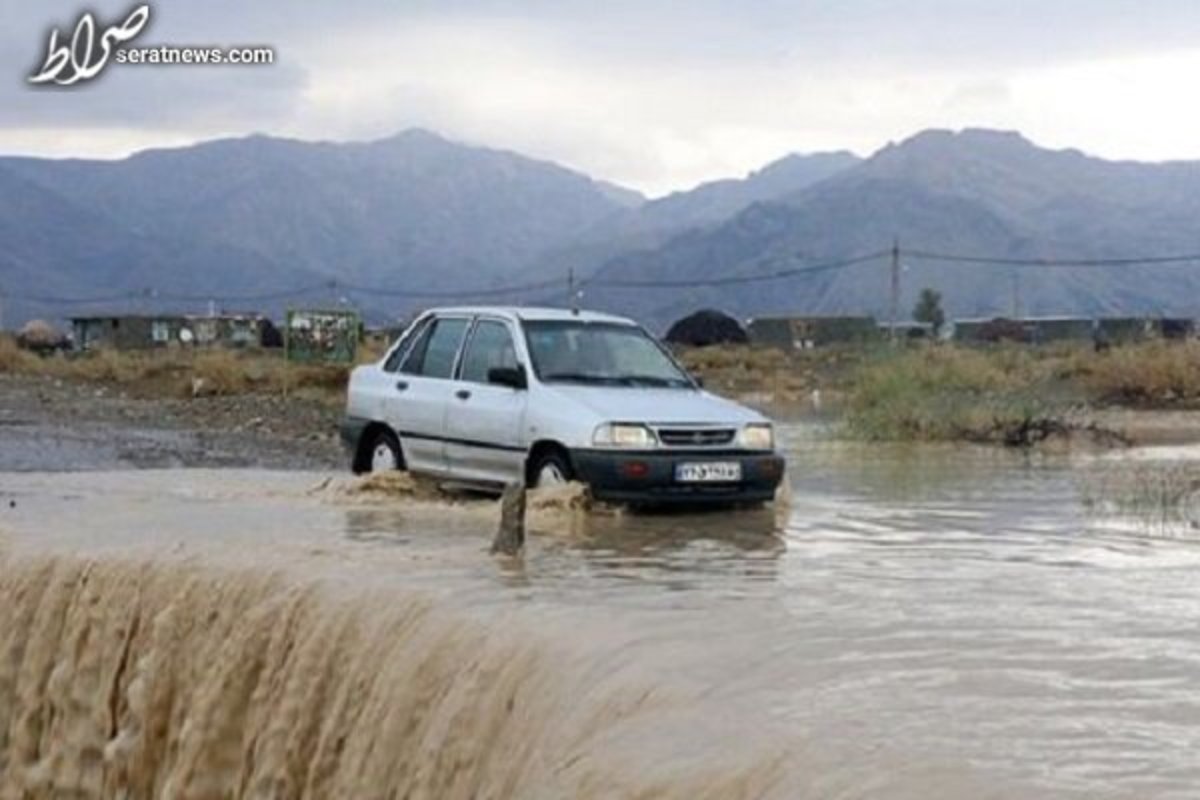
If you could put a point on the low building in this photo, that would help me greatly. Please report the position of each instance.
(1176, 327)
(1123, 330)
(234, 330)
(149, 331)
(801, 333)
(1045, 330)
(1029, 330)
(125, 331)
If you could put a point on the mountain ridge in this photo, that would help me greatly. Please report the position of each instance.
(421, 211)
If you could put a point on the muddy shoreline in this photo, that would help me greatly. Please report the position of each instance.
(51, 424)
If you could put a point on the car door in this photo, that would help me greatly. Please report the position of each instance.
(484, 439)
(422, 391)
(374, 391)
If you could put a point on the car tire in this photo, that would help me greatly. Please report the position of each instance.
(551, 468)
(383, 453)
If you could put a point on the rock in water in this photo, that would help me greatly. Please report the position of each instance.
(510, 538)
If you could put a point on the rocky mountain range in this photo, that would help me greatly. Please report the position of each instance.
(415, 219)
(974, 193)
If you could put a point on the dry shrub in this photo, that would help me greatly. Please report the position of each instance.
(14, 359)
(1155, 373)
(173, 372)
(106, 366)
(219, 372)
(319, 376)
(733, 357)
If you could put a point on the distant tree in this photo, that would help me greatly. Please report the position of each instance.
(929, 309)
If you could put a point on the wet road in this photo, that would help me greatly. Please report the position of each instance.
(920, 622)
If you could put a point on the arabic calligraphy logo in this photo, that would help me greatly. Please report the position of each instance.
(89, 50)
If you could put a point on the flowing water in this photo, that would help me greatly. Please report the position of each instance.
(917, 622)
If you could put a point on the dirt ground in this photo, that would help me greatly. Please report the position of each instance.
(52, 424)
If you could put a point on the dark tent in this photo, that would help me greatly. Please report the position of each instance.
(707, 327)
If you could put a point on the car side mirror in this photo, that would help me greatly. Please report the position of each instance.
(512, 377)
(698, 381)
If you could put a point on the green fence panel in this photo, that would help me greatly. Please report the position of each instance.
(316, 336)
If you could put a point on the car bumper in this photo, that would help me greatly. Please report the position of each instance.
(649, 477)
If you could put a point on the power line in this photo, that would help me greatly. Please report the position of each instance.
(282, 294)
(737, 279)
(1053, 262)
(493, 291)
(67, 301)
(596, 281)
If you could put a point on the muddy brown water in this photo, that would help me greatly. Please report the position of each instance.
(919, 622)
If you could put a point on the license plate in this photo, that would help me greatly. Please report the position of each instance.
(709, 472)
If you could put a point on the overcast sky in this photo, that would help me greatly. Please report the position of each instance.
(654, 95)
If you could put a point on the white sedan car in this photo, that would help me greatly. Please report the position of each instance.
(492, 396)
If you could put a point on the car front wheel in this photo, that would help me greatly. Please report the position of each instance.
(551, 469)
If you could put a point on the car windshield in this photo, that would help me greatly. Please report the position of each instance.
(599, 352)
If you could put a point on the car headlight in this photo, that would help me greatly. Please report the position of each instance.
(624, 435)
(757, 436)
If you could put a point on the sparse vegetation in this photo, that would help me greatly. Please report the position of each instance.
(1011, 393)
(946, 393)
(1157, 374)
(775, 375)
(13, 358)
(180, 373)
(1163, 494)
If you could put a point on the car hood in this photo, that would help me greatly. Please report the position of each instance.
(657, 406)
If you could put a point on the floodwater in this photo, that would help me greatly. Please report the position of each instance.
(917, 622)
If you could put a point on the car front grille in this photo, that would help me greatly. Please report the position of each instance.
(696, 437)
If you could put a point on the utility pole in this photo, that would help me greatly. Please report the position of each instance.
(572, 295)
(895, 298)
(1, 309)
(1016, 295)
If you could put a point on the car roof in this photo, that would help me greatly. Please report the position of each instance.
(534, 313)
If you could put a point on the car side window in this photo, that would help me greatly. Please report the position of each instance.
(416, 353)
(403, 346)
(433, 356)
(491, 346)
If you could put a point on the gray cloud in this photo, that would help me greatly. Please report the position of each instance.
(654, 93)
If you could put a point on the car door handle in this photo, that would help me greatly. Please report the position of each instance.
(462, 394)
(401, 386)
